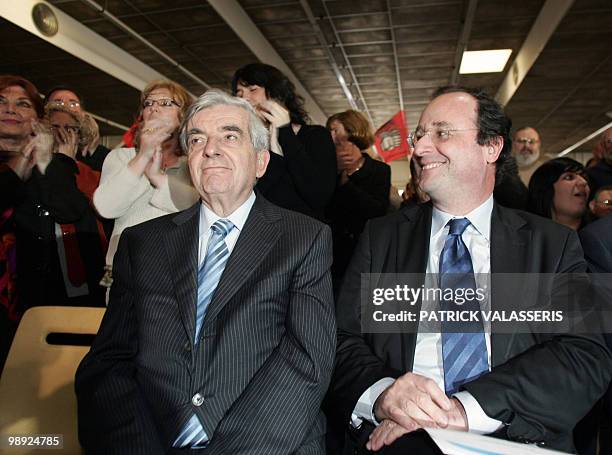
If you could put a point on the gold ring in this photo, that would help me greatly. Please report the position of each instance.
(148, 130)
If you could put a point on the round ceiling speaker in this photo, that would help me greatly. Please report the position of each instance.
(45, 20)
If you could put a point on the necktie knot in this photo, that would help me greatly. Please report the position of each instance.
(222, 227)
(457, 226)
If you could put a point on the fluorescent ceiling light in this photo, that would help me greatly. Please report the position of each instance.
(492, 61)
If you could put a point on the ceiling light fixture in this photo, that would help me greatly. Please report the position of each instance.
(492, 61)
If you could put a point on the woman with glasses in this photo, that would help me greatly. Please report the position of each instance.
(93, 153)
(301, 175)
(152, 179)
(559, 190)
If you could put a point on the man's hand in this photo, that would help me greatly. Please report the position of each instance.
(425, 408)
(414, 399)
(457, 418)
(386, 434)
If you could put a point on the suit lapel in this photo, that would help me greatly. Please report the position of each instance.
(509, 254)
(257, 238)
(184, 264)
(412, 253)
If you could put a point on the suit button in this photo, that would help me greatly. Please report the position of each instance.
(197, 400)
(187, 346)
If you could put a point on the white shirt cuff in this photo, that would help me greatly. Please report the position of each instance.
(364, 409)
(478, 421)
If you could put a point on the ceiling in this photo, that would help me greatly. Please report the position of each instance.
(565, 94)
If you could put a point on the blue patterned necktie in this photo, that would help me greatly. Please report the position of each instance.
(464, 350)
(193, 434)
(212, 268)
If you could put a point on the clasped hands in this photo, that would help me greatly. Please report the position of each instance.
(153, 135)
(410, 403)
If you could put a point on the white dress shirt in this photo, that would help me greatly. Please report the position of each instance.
(208, 218)
(428, 349)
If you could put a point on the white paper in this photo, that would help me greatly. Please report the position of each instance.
(461, 443)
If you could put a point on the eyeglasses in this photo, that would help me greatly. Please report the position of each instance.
(71, 104)
(526, 140)
(437, 135)
(162, 102)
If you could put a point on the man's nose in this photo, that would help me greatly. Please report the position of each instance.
(211, 149)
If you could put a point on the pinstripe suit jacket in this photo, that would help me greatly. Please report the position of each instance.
(265, 354)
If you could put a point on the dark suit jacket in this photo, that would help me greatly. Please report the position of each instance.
(596, 241)
(364, 196)
(540, 384)
(265, 355)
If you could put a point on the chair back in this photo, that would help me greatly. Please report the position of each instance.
(37, 384)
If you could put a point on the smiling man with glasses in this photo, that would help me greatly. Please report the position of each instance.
(392, 380)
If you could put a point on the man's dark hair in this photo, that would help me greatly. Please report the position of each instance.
(600, 190)
(541, 184)
(68, 88)
(493, 123)
(278, 87)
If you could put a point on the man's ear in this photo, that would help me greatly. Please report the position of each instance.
(263, 158)
(494, 148)
(592, 205)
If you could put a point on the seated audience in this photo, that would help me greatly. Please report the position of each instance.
(93, 153)
(301, 175)
(152, 179)
(362, 189)
(558, 190)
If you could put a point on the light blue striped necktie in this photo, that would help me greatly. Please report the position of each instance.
(193, 434)
(464, 349)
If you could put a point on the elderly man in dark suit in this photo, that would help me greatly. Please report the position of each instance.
(220, 333)
(530, 387)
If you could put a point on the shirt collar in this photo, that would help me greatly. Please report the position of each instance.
(238, 216)
(480, 218)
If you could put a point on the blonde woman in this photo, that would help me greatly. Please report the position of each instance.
(152, 179)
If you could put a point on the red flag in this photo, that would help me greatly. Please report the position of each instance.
(392, 139)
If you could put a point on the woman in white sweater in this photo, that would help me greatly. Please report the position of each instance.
(151, 180)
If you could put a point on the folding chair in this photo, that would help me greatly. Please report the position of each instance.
(37, 384)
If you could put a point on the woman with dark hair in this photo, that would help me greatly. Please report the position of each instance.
(559, 190)
(363, 184)
(152, 179)
(301, 175)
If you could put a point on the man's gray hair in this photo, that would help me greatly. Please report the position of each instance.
(260, 137)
